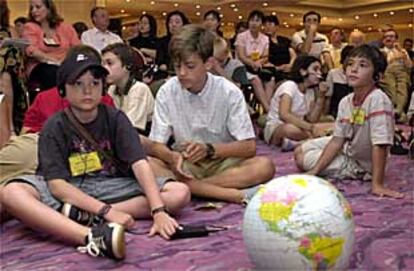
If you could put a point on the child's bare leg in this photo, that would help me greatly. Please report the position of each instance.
(22, 201)
(289, 131)
(260, 93)
(175, 196)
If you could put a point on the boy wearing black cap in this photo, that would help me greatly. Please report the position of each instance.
(92, 183)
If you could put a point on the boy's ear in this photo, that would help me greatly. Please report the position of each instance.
(209, 63)
(303, 73)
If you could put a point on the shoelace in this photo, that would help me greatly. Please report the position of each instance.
(92, 248)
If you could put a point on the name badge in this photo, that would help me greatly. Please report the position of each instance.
(81, 164)
(358, 116)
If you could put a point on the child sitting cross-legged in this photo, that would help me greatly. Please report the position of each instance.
(99, 185)
(364, 128)
(294, 112)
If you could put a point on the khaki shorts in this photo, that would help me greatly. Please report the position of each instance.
(341, 167)
(18, 157)
(269, 129)
(210, 167)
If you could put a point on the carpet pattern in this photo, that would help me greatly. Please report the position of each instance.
(384, 233)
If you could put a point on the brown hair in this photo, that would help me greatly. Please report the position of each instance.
(53, 18)
(192, 39)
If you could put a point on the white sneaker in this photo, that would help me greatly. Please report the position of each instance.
(288, 144)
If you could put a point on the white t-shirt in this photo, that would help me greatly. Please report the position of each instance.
(301, 102)
(374, 126)
(98, 39)
(138, 104)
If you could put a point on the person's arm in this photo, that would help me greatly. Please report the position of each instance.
(194, 151)
(287, 116)
(328, 154)
(241, 54)
(305, 47)
(149, 52)
(163, 223)
(327, 59)
(31, 33)
(317, 109)
(379, 160)
(68, 193)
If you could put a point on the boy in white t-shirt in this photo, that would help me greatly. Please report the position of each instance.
(364, 128)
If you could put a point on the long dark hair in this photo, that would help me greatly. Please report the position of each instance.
(302, 62)
(53, 18)
(152, 24)
(178, 13)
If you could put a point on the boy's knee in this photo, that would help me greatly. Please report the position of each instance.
(180, 195)
(266, 166)
(298, 155)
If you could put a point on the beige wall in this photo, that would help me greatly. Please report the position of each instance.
(71, 10)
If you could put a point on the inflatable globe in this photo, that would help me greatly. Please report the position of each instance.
(298, 222)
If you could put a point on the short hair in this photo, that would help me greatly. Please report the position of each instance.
(213, 13)
(192, 39)
(374, 55)
(220, 44)
(178, 13)
(390, 30)
(271, 19)
(408, 39)
(128, 57)
(80, 27)
(312, 13)
(53, 18)
(20, 20)
(152, 24)
(302, 62)
(345, 52)
(94, 10)
(256, 13)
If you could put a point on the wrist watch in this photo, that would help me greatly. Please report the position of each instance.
(159, 210)
(210, 150)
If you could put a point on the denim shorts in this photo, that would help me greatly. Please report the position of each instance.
(108, 190)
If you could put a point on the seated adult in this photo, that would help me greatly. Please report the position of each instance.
(146, 41)
(50, 39)
(294, 112)
(215, 147)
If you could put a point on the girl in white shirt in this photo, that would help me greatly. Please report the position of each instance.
(133, 97)
(295, 108)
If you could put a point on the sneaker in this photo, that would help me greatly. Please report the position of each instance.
(288, 144)
(105, 240)
(80, 216)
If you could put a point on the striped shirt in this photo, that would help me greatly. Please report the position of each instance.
(377, 127)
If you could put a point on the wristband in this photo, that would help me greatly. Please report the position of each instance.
(158, 210)
(104, 210)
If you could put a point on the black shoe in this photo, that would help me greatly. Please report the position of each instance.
(398, 149)
(106, 240)
(80, 216)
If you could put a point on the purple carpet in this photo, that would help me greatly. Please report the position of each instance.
(384, 234)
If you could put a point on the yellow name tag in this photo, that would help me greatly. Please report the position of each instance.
(255, 55)
(358, 116)
(81, 164)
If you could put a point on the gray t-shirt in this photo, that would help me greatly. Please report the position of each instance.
(60, 146)
(373, 125)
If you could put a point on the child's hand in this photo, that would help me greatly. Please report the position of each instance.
(386, 192)
(164, 225)
(119, 217)
(177, 167)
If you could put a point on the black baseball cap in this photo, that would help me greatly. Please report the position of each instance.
(75, 65)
